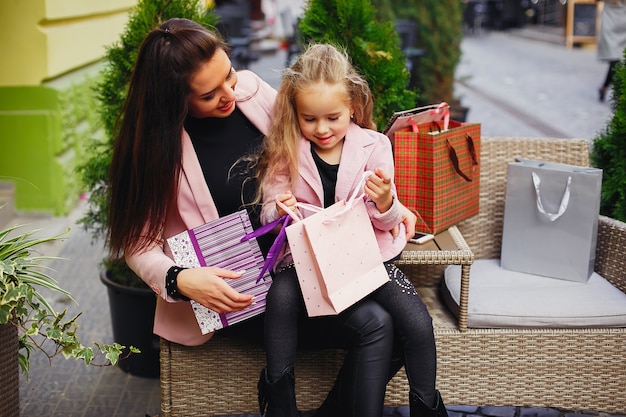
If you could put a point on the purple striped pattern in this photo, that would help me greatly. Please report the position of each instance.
(218, 243)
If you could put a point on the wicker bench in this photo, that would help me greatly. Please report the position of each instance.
(574, 369)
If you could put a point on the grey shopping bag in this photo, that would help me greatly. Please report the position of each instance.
(551, 219)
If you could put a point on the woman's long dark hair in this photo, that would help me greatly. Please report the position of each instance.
(146, 162)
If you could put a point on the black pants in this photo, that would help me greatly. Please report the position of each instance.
(365, 330)
(415, 339)
(610, 74)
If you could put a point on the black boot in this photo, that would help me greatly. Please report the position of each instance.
(331, 407)
(419, 409)
(278, 397)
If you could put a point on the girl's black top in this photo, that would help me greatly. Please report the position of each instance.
(328, 175)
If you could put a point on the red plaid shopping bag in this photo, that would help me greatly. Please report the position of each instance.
(437, 173)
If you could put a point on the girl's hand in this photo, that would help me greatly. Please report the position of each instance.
(287, 199)
(410, 220)
(207, 286)
(378, 188)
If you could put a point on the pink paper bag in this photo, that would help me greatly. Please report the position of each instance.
(337, 257)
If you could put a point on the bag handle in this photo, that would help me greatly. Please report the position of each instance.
(455, 159)
(286, 219)
(442, 109)
(358, 192)
(564, 199)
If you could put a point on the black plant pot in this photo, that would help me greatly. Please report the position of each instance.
(132, 318)
(9, 376)
(458, 112)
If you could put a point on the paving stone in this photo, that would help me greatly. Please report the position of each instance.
(539, 412)
(465, 409)
(389, 412)
(504, 411)
(402, 411)
(583, 414)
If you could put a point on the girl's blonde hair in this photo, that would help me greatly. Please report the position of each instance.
(319, 63)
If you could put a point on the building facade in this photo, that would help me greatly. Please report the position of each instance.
(52, 50)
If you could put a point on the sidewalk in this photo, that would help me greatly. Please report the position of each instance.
(513, 86)
(519, 87)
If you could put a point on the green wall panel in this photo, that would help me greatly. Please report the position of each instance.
(30, 139)
(31, 145)
(45, 133)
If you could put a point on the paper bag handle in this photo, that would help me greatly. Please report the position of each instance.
(443, 110)
(358, 192)
(455, 160)
(564, 200)
(277, 245)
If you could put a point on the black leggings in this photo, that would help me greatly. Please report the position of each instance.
(365, 330)
(367, 369)
(610, 74)
(414, 331)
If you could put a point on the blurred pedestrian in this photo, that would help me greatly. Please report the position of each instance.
(612, 39)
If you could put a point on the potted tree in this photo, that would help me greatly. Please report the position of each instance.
(129, 297)
(28, 322)
(439, 35)
(372, 44)
(609, 152)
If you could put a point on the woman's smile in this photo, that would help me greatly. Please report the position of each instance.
(226, 107)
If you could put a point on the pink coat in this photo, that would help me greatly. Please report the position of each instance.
(175, 320)
(363, 150)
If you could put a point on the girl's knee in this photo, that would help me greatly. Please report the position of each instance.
(371, 320)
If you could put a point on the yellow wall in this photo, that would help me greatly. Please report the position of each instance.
(42, 39)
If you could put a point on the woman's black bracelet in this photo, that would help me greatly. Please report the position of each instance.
(171, 284)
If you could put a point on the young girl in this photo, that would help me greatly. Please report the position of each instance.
(321, 140)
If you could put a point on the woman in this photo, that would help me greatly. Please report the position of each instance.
(187, 119)
(612, 39)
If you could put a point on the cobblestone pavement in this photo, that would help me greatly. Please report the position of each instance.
(518, 87)
(514, 86)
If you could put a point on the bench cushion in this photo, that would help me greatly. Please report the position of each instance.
(499, 298)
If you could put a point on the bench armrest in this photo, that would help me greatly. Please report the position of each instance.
(611, 251)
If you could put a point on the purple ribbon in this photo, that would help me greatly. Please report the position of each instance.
(279, 242)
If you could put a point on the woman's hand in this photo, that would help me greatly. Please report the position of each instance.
(378, 188)
(207, 286)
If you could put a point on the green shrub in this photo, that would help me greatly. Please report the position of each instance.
(439, 34)
(609, 152)
(373, 46)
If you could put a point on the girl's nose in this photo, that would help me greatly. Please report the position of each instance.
(321, 128)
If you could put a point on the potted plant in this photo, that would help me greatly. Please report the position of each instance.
(128, 295)
(609, 152)
(28, 322)
(372, 44)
